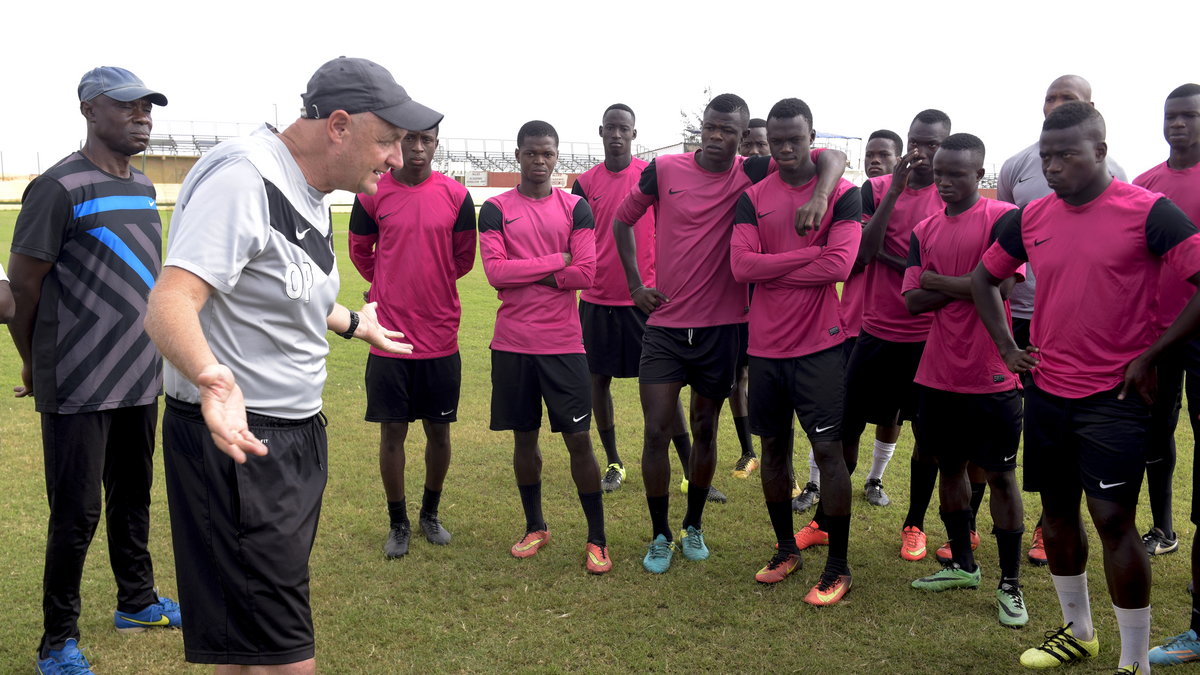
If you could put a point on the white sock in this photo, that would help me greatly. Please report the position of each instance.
(814, 471)
(882, 455)
(1076, 608)
(1135, 637)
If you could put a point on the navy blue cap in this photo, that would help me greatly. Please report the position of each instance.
(118, 84)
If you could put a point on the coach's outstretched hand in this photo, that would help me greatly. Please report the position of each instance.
(370, 331)
(224, 412)
(1142, 377)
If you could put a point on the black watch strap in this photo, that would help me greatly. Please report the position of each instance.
(353, 325)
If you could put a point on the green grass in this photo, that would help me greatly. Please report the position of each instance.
(471, 607)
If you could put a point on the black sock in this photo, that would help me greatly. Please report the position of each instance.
(429, 502)
(958, 527)
(696, 499)
(819, 516)
(838, 528)
(977, 490)
(593, 510)
(659, 507)
(837, 565)
(398, 512)
(531, 501)
(608, 438)
(781, 523)
(742, 424)
(683, 448)
(1158, 487)
(1008, 546)
(1196, 613)
(921, 482)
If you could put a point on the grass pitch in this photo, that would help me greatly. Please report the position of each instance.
(471, 607)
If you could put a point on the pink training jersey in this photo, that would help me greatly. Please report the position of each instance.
(853, 295)
(795, 309)
(604, 190)
(1098, 266)
(522, 240)
(421, 238)
(884, 314)
(960, 355)
(1182, 187)
(694, 211)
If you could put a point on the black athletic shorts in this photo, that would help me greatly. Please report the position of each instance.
(612, 336)
(810, 386)
(520, 382)
(1097, 441)
(704, 358)
(848, 349)
(242, 535)
(879, 381)
(743, 358)
(407, 390)
(981, 428)
(1020, 331)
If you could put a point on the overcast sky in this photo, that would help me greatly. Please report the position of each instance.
(860, 64)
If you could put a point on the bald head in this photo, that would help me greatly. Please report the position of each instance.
(1066, 89)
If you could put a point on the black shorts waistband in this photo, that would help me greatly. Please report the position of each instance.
(191, 412)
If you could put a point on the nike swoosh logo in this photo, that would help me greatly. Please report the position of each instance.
(598, 562)
(820, 429)
(1039, 243)
(826, 597)
(576, 419)
(595, 198)
(162, 620)
(512, 220)
(1105, 486)
(1022, 180)
(1155, 461)
(1010, 458)
(675, 192)
(1009, 612)
(528, 546)
(764, 215)
(389, 215)
(301, 233)
(448, 412)
(916, 551)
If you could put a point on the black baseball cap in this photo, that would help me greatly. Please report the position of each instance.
(118, 84)
(358, 86)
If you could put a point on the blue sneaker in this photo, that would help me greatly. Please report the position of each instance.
(658, 558)
(1182, 648)
(66, 661)
(693, 544)
(164, 613)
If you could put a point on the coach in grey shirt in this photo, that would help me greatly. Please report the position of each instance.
(242, 314)
(1022, 181)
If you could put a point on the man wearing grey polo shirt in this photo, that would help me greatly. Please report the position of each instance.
(247, 295)
(1022, 181)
